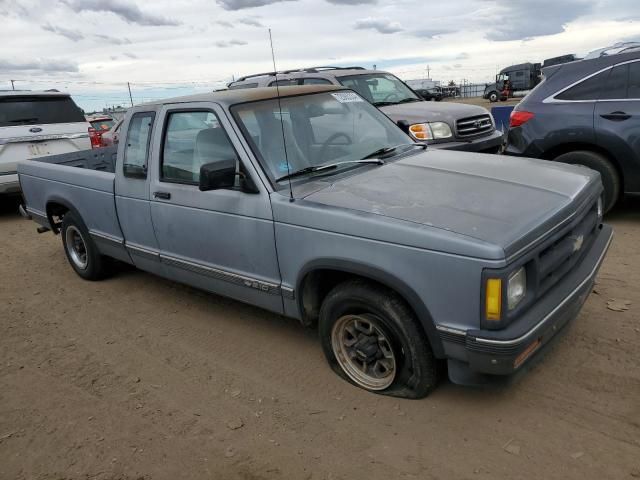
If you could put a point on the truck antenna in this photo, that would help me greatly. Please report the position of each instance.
(284, 140)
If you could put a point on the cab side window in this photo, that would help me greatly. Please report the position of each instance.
(136, 152)
(193, 139)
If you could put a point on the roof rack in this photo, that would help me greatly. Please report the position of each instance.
(296, 70)
(615, 49)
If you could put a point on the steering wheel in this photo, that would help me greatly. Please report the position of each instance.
(328, 141)
(392, 94)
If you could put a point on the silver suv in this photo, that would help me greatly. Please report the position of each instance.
(453, 126)
(36, 124)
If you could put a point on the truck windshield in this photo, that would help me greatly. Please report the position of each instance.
(38, 110)
(380, 88)
(318, 128)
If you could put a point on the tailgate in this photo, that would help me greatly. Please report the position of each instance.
(26, 142)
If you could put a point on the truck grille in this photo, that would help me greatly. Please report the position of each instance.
(467, 127)
(556, 259)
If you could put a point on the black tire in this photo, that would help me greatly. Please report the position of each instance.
(493, 97)
(416, 370)
(75, 239)
(608, 173)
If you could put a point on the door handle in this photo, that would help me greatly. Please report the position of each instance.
(162, 195)
(616, 116)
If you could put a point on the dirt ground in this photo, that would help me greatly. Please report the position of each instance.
(137, 378)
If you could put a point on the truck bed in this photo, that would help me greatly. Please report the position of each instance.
(80, 181)
(101, 159)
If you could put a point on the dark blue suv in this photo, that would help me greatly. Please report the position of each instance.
(586, 112)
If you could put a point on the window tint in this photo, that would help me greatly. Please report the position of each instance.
(38, 110)
(616, 85)
(284, 83)
(382, 88)
(316, 81)
(634, 81)
(243, 85)
(136, 150)
(589, 89)
(102, 124)
(191, 140)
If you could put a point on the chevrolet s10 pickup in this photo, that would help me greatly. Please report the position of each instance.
(313, 204)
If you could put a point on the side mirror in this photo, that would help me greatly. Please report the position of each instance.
(218, 175)
(404, 125)
(222, 175)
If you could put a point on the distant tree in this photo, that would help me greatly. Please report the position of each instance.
(452, 83)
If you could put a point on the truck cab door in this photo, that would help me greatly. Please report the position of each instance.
(132, 188)
(217, 240)
(617, 120)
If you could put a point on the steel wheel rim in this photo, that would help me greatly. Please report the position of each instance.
(76, 247)
(363, 351)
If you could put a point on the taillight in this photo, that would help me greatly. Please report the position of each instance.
(95, 138)
(519, 117)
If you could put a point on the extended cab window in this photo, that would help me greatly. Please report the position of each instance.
(136, 151)
(191, 140)
(589, 89)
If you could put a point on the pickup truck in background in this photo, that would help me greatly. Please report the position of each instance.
(35, 124)
(316, 206)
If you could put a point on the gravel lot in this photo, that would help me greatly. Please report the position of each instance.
(137, 378)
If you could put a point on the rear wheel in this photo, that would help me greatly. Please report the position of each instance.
(81, 252)
(608, 173)
(371, 338)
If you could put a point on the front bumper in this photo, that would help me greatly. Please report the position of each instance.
(9, 183)
(486, 144)
(503, 352)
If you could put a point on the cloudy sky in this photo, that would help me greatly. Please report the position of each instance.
(164, 48)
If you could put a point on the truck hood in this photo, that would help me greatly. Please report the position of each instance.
(503, 201)
(420, 112)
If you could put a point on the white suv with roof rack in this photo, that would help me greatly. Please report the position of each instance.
(35, 124)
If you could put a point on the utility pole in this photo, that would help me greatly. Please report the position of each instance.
(12, 87)
(428, 72)
(130, 97)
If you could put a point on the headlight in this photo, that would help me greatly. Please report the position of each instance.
(516, 288)
(440, 130)
(430, 131)
(421, 131)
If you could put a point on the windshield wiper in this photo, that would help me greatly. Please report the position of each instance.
(328, 166)
(386, 150)
(410, 99)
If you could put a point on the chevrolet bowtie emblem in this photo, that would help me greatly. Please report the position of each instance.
(577, 242)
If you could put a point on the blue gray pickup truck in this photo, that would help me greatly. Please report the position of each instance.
(315, 205)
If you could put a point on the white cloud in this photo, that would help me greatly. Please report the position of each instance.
(196, 45)
(382, 25)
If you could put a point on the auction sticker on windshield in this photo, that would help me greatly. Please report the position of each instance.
(347, 97)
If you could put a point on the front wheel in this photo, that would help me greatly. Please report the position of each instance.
(81, 252)
(608, 173)
(493, 97)
(371, 338)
